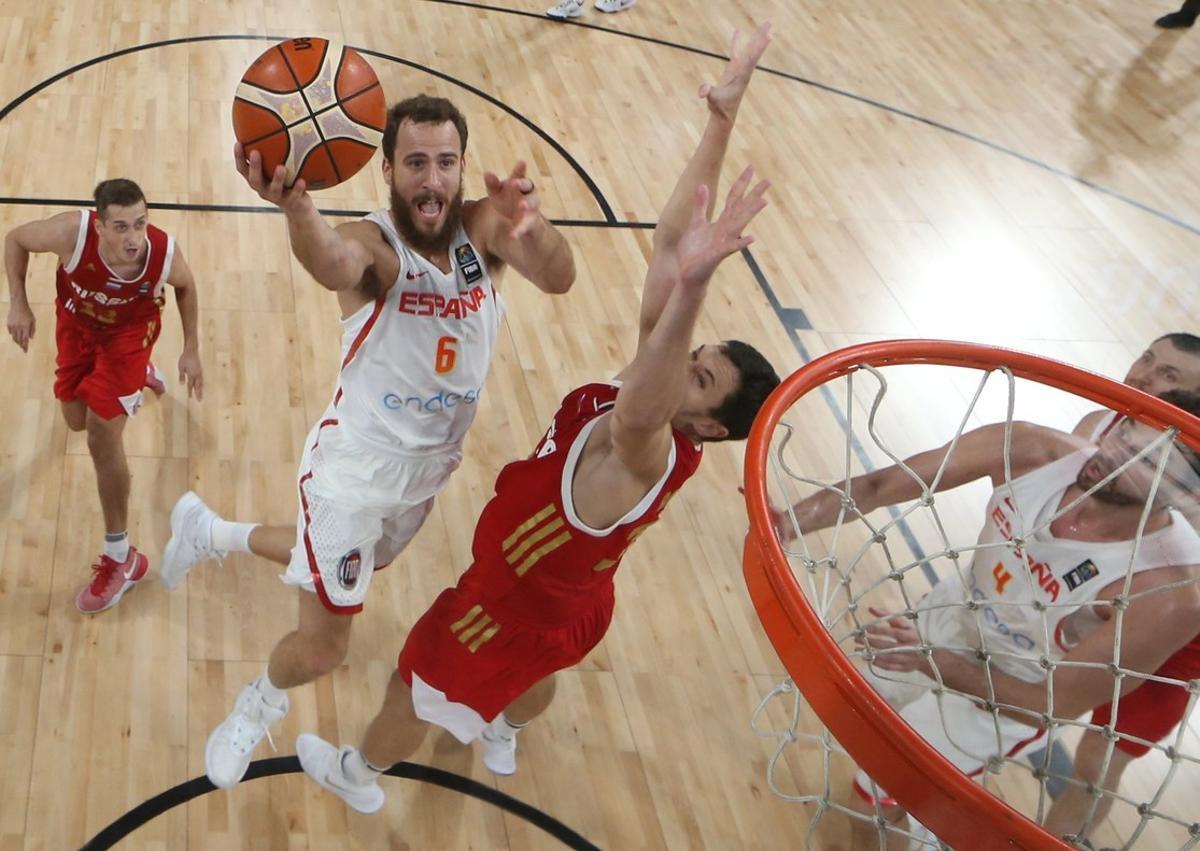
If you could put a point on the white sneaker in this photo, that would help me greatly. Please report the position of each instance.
(611, 6)
(191, 540)
(227, 753)
(323, 763)
(499, 753)
(566, 9)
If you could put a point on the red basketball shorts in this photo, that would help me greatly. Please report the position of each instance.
(482, 661)
(1152, 710)
(106, 368)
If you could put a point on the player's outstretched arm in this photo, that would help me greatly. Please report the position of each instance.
(516, 231)
(977, 453)
(57, 235)
(654, 384)
(335, 260)
(704, 168)
(1158, 621)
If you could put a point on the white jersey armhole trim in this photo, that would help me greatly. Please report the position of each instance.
(167, 261)
(1106, 422)
(382, 219)
(568, 478)
(80, 241)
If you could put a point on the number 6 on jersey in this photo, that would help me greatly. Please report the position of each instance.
(443, 361)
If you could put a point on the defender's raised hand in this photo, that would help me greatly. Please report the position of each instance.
(274, 189)
(515, 198)
(725, 97)
(705, 244)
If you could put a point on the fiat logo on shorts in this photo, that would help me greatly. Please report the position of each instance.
(349, 568)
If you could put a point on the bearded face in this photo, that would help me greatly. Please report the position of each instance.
(425, 184)
(428, 221)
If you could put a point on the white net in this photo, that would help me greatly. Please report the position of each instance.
(1029, 621)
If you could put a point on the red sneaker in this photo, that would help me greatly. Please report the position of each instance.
(155, 380)
(110, 581)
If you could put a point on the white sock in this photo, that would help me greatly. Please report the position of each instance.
(357, 769)
(116, 546)
(501, 728)
(230, 537)
(273, 694)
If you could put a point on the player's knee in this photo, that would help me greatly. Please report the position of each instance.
(102, 434)
(325, 654)
(1089, 757)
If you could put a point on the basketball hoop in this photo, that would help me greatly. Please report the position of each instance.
(857, 720)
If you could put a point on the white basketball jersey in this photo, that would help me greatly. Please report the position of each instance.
(1105, 425)
(415, 360)
(1023, 596)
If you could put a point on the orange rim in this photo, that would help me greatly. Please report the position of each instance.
(962, 813)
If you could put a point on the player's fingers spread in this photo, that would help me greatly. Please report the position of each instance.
(743, 180)
(518, 171)
(492, 182)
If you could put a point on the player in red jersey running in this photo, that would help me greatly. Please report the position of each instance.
(539, 594)
(1153, 709)
(112, 272)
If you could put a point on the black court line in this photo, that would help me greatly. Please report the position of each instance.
(196, 787)
(863, 99)
(597, 195)
(86, 203)
(794, 321)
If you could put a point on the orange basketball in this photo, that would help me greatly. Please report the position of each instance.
(313, 106)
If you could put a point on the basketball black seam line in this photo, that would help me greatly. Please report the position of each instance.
(559, 149)
(338, 102)
(284, 128)
(300, 88)
(343, 101)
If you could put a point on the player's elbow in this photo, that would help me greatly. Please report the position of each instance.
(559, 277)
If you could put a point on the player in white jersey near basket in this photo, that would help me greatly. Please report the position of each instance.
(421, 314)
(1078, 519)
(1152, 710)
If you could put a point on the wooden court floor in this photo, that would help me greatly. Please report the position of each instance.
(1025, 174)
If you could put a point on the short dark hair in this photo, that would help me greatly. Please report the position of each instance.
(422, 109)
(1183, 341)
(1190, 402)
(119, 192)
(756, 379)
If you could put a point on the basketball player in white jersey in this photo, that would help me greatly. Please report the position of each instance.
(421, 314)
(1152, 710)
(1077, 512)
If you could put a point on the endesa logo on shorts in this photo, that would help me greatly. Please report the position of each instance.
(438, 403)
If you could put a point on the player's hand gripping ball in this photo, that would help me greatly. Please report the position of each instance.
(314, 106)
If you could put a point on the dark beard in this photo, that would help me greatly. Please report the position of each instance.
(1107, 494)
(438, 243)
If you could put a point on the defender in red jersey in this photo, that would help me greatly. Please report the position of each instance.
(539, 594)
(1152, 710)
(113, 269)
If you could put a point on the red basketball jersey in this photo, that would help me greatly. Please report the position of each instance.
(534, 558)
(95, 294)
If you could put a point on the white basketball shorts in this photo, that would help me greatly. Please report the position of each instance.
(358, 510)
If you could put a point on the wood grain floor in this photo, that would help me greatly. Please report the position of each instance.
(1025, 174)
